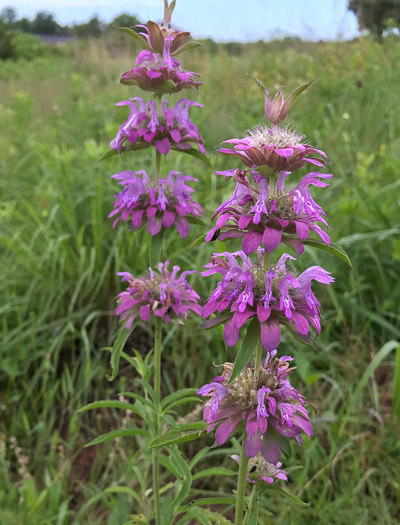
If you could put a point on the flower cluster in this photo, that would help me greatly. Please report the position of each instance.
(274, 295)
(161, 293)
(162, 127)
(156, 203)
(259, 213)
(263, 402)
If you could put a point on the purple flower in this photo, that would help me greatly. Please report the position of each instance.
(261, 215)
(159, 73)
(161, 293)
(274, 295)
(156, 203)
(263, 402)
(258, 469)
(163, 128)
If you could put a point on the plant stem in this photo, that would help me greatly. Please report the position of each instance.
(246, 518)
(259, 349)
(267, 259)
(158, 164)
(157, 390)
(241, 487)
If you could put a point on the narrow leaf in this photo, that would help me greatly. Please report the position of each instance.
(188, 47)
(109, 403)
(173, 437)
(253, 512)
(114, 434)
(199, 240)
(156, 242)
(292, 97)
(214, 501)
(396, 385)
(290, 497)
(248, 348)
(194, 153)
(214, 471)
(117, 348)
(136, 36)
(214, 321)
(177, 395)
(332, 249)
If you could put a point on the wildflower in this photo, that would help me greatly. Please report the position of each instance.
(269, 407)
(159, 73)
(258, 213)
(156, 203)
(272, 294)
(161, 293)
(258, 468)
(163, 127)
(276, 148)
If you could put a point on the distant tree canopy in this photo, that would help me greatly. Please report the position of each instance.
(374, 14)
(44, 23)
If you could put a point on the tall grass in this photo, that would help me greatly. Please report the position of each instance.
(60, 255)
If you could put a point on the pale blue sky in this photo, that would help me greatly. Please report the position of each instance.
(240, 20)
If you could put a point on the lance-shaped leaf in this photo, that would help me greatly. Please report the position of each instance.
(248, 348)
(136, 36)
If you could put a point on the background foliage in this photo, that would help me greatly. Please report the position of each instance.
(60, 255)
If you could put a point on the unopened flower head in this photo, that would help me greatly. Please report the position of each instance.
(259, 469)
(261, 214)
(159, 73)
(163, 127)
(264, 401)
(156, 203)
(273, 295)
(161, 293)
(275, 148)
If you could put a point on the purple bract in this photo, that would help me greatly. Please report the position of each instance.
(159, 73)
(264, 401)
(163, 128)
(161, 293)
(156, 203)
(274, 295)
(259, 214)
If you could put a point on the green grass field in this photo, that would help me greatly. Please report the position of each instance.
(60, 255)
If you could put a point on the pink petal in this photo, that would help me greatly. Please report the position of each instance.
(270, 334)
(263, 313)
(154, 225)
(252, 241)
(231, 334)
(145, 312)
(302, 230)
(252, 445)
(163, 146)
(168, 218)
(240, 318)
(270, 448)
(271, 238)
(226, 428)
(183, 227)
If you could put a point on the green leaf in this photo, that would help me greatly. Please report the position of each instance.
(396, 385)
(290, 497)
(109, 154)
(228, 500)
(292, 97)
(136, 36)
(214, 471)
(253, 512)
(194, 153)
(166, 87)
(248, 348)
(188, 47)
(117, 348)
(332, 249)
(199, 240)
(179, 463)
(114, 434)
(214, 321)
(195, 220)
(172, 437)
(156, 242)
(182, 401)
(123, 490)
(177, 395)
(111, 404)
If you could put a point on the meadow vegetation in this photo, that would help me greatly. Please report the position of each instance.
(60, 256)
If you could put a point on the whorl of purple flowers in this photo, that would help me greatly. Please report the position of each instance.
(156, 203)
(161, 293)
(274, 295)
(261, 214)
(262, 401)
(159, 73)
(163, 128)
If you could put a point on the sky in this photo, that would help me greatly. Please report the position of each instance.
(222, 20)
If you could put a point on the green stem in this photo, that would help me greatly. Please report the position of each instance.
(246, 518)
(158, 164)
(241, 487)
(259, 349)
(157, 390)
(267, 260)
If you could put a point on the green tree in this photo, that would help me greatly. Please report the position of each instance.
(6, 44)
(373, 14)
(44, 23)
(94, 28)
(9, 15)
(124, 20)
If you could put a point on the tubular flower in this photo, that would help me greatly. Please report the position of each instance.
(279, 149)
(161, 293)
(163, 128)
(264, 401)
(159, 73)
(258, 469)
(156, 203)
(272, 295)
(259, 214)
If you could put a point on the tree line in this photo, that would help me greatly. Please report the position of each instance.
(44, 23)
